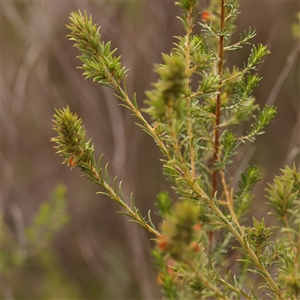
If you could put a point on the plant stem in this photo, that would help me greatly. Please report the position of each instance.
(229, 202)
(207, 282)
(245, 245)
(218, 102)
(187, 69)
(113, 195)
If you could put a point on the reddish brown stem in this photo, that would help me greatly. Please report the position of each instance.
(218, 102)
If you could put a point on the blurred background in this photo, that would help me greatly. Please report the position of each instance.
(99, 254)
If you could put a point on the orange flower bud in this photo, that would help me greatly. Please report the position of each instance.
(206, 16)
(72, 162)
(197, 227)
(171, 263)
(195, 246)
(162, 243)
(159, 279)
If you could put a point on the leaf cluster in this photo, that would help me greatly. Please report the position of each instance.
(77, 151)
(99, 62)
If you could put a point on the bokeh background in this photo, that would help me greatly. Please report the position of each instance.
(99, 254)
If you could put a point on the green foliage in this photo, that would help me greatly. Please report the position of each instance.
(284, 196)
(99, 62)
(166, 101)
(246, 184)
(296, 27)
(77, 151)
(71, 142)
(179, 237)
(193, 105)
(50, 218)
(164, 203)
(229, 143)
(258, 235)
(48, 221)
